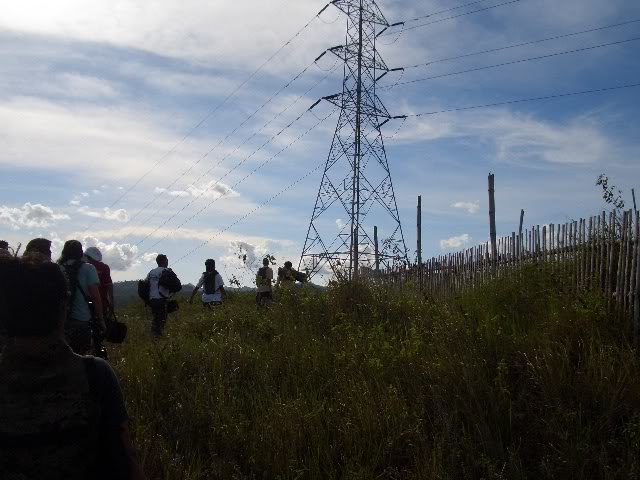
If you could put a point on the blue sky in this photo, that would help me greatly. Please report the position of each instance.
(94, 93)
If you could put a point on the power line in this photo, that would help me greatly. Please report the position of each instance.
(210, 114)
(224, 158)
(525, 100)
(252, 212)
(444, 11)
(514, 62)
(532, 42)
(190, 168)
(237, 183)
(504, 4)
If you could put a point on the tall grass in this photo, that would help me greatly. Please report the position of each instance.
(514, 380)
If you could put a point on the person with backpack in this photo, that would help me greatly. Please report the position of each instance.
(163, 283)
(287, 275)
(213, 293)
(264, 282)
(93, 256)
(85, 304)
(62, 415)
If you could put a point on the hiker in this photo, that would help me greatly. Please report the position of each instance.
(287, 276)
(38, 249)
(264, 281)
(85, 313)
(93, 256)
(163, 284)
(61, 415)
(4, 250)
(213, 293)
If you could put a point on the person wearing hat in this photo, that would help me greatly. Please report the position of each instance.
(213, 292)
(93, 256)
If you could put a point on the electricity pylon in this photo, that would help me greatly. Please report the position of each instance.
(356, 182)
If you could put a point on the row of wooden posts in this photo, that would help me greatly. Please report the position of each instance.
(600, 253)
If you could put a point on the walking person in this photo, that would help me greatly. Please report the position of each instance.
(61, 415)
(85, 304)
(287, 275)
(264, 284)
(163, 284)
(93, 256)
(213, 293)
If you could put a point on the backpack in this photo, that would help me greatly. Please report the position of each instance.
(169, 281)
(210, 282)
(144, 290)
(261, 277)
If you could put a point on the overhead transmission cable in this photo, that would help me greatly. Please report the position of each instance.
(249, 138)
(230, 189)
(210, 114)
(511, 102)
(250, 213)
(484, 9)
(231, 133)
(514, 62)
(523, 44)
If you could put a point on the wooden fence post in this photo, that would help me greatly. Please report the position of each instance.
(492, 219)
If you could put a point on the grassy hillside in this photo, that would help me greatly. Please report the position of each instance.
(514, 381)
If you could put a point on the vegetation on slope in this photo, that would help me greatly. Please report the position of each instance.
(515, 380)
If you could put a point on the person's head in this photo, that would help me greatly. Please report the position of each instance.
(288, 265)
(162, 260)
(265, 262)
(4, 245)
(92, 253)
(210, 265)
(38, 248)
(33, 297)
(72, 250)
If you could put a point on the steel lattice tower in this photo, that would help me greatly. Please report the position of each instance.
(357, 181)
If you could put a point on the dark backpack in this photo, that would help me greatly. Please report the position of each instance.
(169, 281)
(210, 282)
(144, 289)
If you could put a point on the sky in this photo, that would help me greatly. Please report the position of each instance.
(154, 127)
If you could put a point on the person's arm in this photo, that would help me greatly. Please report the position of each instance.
(136, 469)
(94, 294)
(196, 288)
(193, 294)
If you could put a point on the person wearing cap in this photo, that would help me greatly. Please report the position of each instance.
(213, 292)
(93, 256)
(287, 275)
(38, 249)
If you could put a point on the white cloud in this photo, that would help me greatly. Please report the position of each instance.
(106, 213)
(455, 242)
(471, 207)
(519, 137)
(211, 189)
(182, 30)
(119, 256)
(339, 224)
(30, 216)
